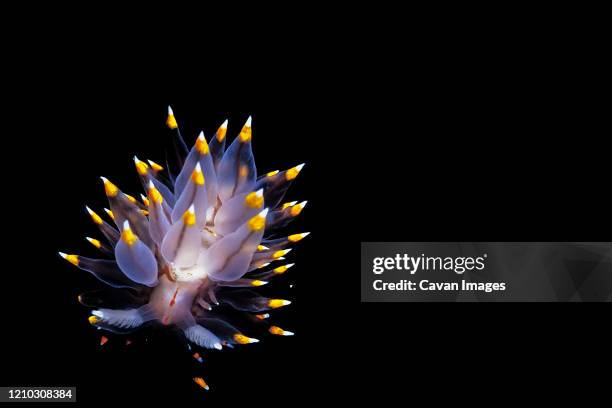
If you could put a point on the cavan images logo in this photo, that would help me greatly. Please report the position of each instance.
(413, 264)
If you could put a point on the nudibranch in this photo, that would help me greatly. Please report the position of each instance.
(198, 239)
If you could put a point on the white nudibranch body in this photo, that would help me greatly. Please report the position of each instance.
(198, 236)
(188, 274)
(171, 302)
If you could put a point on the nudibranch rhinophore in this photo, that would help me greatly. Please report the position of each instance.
(192, 242)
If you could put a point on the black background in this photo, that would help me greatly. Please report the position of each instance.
(409, 135)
